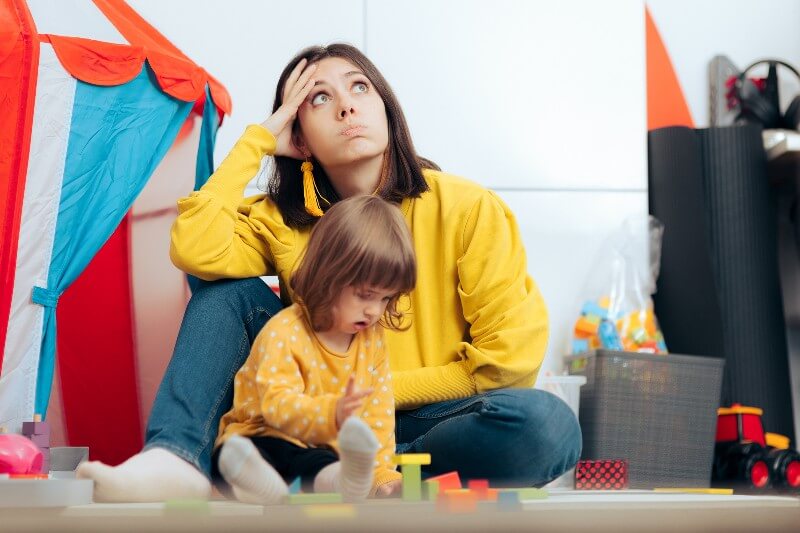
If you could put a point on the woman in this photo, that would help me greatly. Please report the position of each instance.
(462, 372)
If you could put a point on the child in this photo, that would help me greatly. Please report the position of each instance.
(314, 398)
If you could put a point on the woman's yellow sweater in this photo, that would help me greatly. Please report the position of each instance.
(478, 321)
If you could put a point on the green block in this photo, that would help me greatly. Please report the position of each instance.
(187, 507)
(412, 482)
(529, 493)
(315, 497)
(430, 490)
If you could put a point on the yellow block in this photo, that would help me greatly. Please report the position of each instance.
(696, 491)
(340, 510)
(412, 459)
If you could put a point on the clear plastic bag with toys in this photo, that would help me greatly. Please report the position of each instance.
(616, 305)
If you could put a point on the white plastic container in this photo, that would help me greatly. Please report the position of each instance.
(568, 388)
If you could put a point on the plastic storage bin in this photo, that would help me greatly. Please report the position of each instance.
(657, 411)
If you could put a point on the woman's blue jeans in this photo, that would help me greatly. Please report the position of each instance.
(520, 437)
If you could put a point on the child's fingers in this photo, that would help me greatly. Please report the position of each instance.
(360, 395)
(351, 385)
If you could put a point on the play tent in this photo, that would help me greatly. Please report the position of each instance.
(93, 102)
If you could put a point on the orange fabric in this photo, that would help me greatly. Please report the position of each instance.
(97, 62)
(178, 77)
(666, 104)
(177, 74)
(19, 59)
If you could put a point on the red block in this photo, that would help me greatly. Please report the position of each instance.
(603, 474)
(449, 481)
(480, 487)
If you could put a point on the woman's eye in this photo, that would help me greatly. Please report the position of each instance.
(360, 87)
(321, 98)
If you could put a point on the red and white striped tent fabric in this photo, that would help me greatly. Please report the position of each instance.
(117, 321)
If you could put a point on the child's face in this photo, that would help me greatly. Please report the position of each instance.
(359, 307)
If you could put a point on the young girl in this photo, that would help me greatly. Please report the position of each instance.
(314, 398)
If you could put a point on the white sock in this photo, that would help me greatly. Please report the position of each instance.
(154, 475)
(357, 447)
(252, 479)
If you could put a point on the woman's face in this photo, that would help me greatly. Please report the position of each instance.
(343, 120)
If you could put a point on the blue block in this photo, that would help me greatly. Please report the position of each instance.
(592, 308)
(508, 501)
(580, 345)
(294, 488)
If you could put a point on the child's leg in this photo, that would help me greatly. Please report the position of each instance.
(353, 474)
(251, 477)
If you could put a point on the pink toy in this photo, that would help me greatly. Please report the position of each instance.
(18, 455)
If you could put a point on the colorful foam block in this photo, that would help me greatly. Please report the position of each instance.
(412, 459)
(186, 507)
(315, 497)
(35, 428)
(412, 482)
(430, 490)
(448, 481)
(480, 487)
(340, 510)
(592, 308)
(527, 493)
(457, 501)
(610, 474)
(508, 501)
(294, 488)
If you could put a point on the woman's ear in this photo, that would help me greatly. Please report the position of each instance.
(300, 144)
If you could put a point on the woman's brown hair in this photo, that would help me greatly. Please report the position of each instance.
(403, 175)
(360, 241)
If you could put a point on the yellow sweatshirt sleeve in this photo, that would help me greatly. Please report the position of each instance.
(378, 412)
(284, 406)
(505, 310)
(215, 235)
(421, 386)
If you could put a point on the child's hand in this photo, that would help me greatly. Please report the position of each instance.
(350, 402)
(387, 490)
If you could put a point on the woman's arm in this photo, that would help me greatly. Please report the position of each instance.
(506, 312)
(211, 238)
(217, 235)
(508, 327)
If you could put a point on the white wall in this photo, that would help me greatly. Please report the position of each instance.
(541, 101)
(743, 30)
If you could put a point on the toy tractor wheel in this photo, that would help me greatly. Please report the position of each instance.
(754, 471)
(785, 469)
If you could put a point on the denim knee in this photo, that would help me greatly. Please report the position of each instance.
(542, 431)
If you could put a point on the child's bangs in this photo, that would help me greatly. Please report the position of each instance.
(390, 270)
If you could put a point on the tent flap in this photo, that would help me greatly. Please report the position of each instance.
(97, 62)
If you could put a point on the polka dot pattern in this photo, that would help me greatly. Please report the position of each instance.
(288, 387)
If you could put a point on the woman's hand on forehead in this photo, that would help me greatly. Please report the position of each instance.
(298, 85)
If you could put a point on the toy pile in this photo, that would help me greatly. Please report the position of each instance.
(599, 326)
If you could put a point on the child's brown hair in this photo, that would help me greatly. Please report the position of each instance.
(360, 241)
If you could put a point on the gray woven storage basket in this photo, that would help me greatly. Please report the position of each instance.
(657, 411)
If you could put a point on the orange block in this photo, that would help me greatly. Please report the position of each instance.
(586, 327)
(448, 481)
(457, 501)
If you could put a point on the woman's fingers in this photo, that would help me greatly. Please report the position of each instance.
(301, 87)
(292, 79)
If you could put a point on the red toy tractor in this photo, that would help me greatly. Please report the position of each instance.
(746, 457)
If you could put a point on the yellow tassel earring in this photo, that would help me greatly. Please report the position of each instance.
(309, 190)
